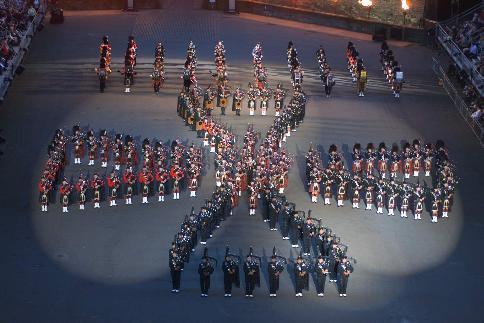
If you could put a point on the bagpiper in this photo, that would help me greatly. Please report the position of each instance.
(113, 184)
(162, 177)
(237, 100)
(104, 151)
(97, 185)
(395, 162)
(65, 191)
(193, 186)
(129, 179)
(91, 147)
(382, 159)
(145, 178)
(82, 187)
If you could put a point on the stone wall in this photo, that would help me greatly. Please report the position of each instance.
(106, 4)
(383, 11)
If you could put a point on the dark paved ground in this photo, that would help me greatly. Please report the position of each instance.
(110, 265)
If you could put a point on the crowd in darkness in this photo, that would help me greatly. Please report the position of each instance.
(15, 16)
(469, 36)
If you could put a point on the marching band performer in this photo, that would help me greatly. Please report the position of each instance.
(301, 276)
(322, 270)
(81, 187)
(391, 197)
(314, 191)
(45, 187)
(407, 160)
(382, 159)
(344, 270)
(370, 157)
(176, 266)
(205, 269)
(161, 178)
(193, 186)
(237, 100)
(341, 189)
(145, 178)
(405, 200)
(357, 159)
(428, 156)
(129, 179)
(97, 185)
(104, 145)
(308, 231)
(252, 275)
(327, 187)
(395, 162)
(176, 174)
(78, 141)
(91, 147)
(252, 94)
(65, 191)
(380, 196)
(252, 202)
(279, 95)
(361, 82)
(113, 184)
(231, 275)
(419, 198)
(265, 95)
(357, 187)
(118, 151)
(275, 269)
(369, 197)
(416, 157)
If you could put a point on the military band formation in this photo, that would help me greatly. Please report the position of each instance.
(154, 169)
(258, 172)
(218, 95)
(368, 180)
(262, 175)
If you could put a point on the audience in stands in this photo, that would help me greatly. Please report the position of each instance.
(469, 36)
(15, 16)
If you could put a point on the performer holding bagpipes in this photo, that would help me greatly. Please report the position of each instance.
(145, 178)
(81, 187)
(205, 270)
(65, 191)
(230, 268)
(345, 268)
(129, 179)
(97, 185)
(252, 273)
(275, 269)
(114, 183)
(322, 271)
(301, 273)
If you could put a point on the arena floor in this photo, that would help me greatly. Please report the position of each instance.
(111, 265)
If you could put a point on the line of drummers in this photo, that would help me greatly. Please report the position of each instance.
(368, 180)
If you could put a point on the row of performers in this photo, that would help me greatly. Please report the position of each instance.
(356, 68)
(411, 160)
(300, 229)
(338, 269)
(295, 67)
(391, 68)
(325, 73)
(159, 183)
(126, 152)
(190, 109)
(379, 192)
